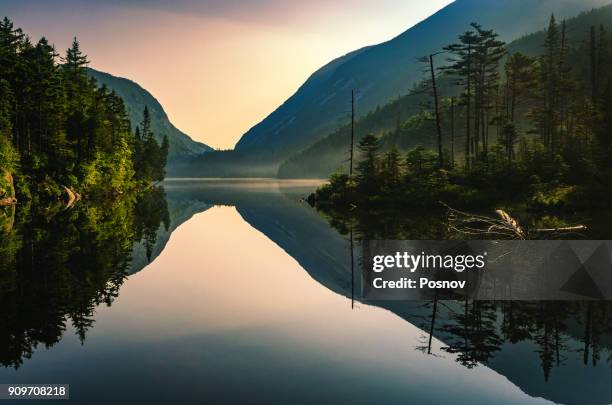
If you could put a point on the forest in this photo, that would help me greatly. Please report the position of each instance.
(504, 126)
(60, 131)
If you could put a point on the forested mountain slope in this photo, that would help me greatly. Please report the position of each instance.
(408, 121)
(383, 72)
(136, 98)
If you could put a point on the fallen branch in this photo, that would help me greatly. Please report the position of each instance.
(564, 229)
(506, 227)
(511, 224)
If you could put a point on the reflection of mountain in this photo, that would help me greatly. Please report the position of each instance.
(540, 347)
(295, 227)
(306, 237)
(180, 212)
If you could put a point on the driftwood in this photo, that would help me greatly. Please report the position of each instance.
(503, 227)
(71, 197)
(8, 201)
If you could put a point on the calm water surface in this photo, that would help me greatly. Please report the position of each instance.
(244, 294)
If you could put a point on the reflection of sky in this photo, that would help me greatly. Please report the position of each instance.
(217, 66)
(224, 312)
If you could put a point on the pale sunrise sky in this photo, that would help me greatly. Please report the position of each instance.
(218, 67)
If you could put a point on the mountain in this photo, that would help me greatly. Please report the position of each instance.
(383, 72)
(136, 98)
(402, 122)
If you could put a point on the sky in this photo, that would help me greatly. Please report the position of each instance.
(218, 67)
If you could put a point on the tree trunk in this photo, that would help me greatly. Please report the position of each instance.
(437, 112)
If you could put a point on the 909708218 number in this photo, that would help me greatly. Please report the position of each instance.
(36, 390)
(33, 391)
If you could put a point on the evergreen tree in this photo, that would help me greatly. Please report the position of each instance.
(546, 114)
(75, 61)
(391, 172)
(150, 156)
(147, 134)
(165, 148)
(520, 80)
(463, 68)
(488, 53)
(367, 170)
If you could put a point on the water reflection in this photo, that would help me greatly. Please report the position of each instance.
(250, 293)
(57, 267)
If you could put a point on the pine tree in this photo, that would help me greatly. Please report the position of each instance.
(75, 60)
(145, 126)
(11, 40)
(462, 67)
(165, 147)
(547, 120)
(520, 80)
(488, 53)
(367, 173)
(391, 170)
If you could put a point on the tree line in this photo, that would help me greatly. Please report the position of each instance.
(58, 127)
(508, 127)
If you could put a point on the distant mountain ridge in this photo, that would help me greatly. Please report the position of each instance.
(396, 123)
(136, 98)
(383, 72)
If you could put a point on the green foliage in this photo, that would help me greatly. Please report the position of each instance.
(367, 166)
(340, 191)
(64, 129)
(391, 171)
(556, 197)
(114, 172)
(9, 157)
(150, 157)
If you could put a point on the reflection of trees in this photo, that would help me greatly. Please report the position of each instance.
(597, 322)
(151, 210)
(390, 224)
(475, 331)
(58, 270)
(479, 330)
(547, 322)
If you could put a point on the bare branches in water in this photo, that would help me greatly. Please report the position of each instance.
(504, 226)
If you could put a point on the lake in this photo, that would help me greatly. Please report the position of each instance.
(234, 290)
